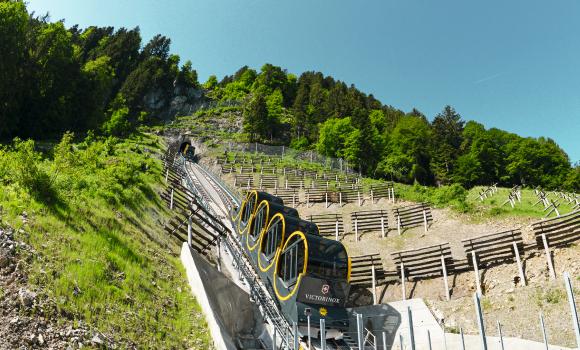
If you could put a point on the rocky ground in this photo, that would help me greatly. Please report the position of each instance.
(29, 319)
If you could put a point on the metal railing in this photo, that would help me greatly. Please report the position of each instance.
(283, 151)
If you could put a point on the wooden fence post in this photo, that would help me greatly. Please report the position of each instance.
(399, 223)
(444, 268)
(382, 225)
(403, 280)
(374, 284)
(326, 199)
(476, 270)
(340, 198)
(519, 262)
(356, 229)
(336, 229)
(548, 256)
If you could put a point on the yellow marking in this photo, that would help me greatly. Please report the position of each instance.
(240, 231)
(265, 269)
(323, 312)
(349, 264)
(286, 297)
(251, 223)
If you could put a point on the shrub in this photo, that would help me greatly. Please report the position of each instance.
(300, 143)
(119, 124)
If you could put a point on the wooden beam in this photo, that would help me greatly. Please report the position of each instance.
(382, 225)
(519, 262)
(476, 270)
(444, 269)
(548, 256)
(403, 281)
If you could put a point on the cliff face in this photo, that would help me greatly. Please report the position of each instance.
(181, 101)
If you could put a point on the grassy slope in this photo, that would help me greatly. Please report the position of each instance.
(103, 257)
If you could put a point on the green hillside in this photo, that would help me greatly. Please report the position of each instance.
(91, 214)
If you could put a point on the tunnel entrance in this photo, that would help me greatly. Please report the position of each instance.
(187, 150)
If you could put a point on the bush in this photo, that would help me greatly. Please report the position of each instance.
(300, 143)
(453, 194)
(119, 124)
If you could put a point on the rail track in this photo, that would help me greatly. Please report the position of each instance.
(223, 200)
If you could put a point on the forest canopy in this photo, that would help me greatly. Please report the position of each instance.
(317, 112)
(55, 79)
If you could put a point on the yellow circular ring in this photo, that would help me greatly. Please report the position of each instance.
(265, 269)
(349, 264)
(239, 215)
(286, 297)
(251, 223)
(240, 231)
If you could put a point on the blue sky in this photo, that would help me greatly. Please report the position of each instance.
(512, 64)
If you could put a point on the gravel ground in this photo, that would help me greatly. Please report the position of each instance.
(28, 319)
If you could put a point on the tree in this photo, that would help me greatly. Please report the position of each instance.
(97, 83)
(274, 104)
(13, 60)
(271, 77)
(409, 151)
(158, 46)
(447, 137)
(187, 77)
(118, 124)
(57, 77)
(211, 82)
(572, 182)
(256, 119)
(300, 110)
(369, 143)
(333, 136)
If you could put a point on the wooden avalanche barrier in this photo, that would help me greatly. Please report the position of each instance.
(328, 224)
(244, 181)
(289, 196)
(367, 272)
(557, 232)
(412, 216)
(493, 249)
(426, 262)
(386, 190)
(370, 220)
(269, 181)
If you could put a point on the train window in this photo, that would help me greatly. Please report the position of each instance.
(259, 223)
(248, 209)
(292, 261)
(272, 239)
(328, 259)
